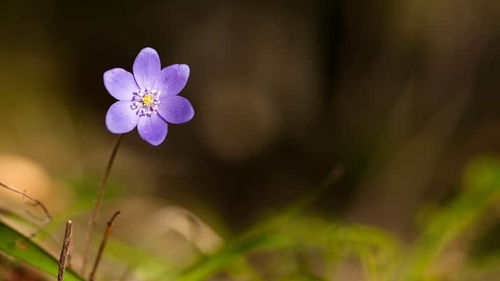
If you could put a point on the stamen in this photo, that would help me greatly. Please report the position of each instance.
(146, 101)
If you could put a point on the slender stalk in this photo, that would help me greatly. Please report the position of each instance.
(100, 195)
(65, 251)
(104, 241)
(33, 201)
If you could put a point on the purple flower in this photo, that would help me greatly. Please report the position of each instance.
(147, 99)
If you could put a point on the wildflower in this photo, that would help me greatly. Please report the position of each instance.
(148, 98)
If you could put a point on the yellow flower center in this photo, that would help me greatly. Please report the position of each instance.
(147, 100)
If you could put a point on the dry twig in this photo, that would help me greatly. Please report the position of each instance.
(65, 251)
(104, 241)
(29, 199)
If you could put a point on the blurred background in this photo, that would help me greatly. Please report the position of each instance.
(401, 95)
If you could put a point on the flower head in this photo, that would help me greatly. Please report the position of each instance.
(147, 99)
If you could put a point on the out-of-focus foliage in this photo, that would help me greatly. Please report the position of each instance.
(315, 248)
(292, 245)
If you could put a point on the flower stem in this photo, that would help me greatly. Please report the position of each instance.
(100, 195)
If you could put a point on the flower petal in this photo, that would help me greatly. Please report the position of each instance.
(175, 109)
(147, 68)
(172, 79)
(120, 83)
(152, 129)
(121, 118)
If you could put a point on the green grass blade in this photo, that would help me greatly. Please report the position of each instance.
(18, 246)
(482, 180)
(209, 265)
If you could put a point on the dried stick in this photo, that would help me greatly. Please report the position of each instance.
(95, 211)
(65, 250)
(34, 201)
(104, 241)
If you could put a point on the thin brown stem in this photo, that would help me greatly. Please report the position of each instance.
(104, 241)
(30, 199)
(100, 195)
(65, 251)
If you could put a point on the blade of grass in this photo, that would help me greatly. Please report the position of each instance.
(143, 263)
(482, 180)
(209, 265)
(261, 235)
(18, 246)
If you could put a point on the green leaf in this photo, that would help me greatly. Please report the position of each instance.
(18, 246)
(482, 190)
(209, 265)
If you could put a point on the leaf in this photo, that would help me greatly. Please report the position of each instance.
(145, 265)
(482, 190)
(209, 265)
(20, 247)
